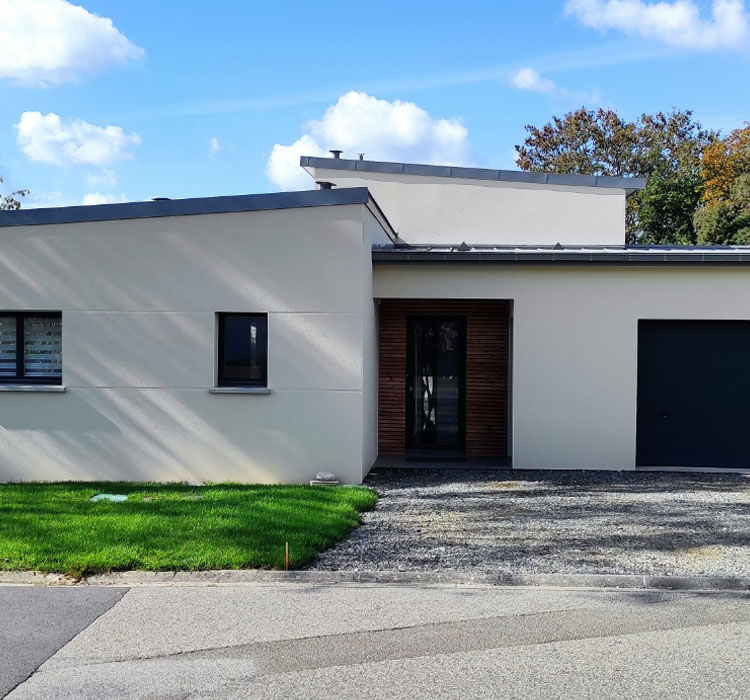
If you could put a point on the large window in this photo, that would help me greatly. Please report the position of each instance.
(243, 350)
(30, 347)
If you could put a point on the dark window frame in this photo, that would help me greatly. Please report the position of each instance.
(221, 380)
(20, 378)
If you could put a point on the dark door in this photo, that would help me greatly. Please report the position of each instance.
(435, 382)
(693, 394)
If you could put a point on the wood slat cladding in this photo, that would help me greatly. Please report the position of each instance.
(487, 350)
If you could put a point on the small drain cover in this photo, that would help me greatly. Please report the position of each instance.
(113, 497)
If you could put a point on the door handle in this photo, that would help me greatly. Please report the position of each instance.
(665, 414)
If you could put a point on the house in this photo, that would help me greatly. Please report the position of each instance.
(399, 313)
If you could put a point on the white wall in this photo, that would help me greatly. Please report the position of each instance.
(373, 233)
(139, 299)
(575, 339)
(444, 210)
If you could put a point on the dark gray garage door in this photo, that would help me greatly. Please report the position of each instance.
(693, 394)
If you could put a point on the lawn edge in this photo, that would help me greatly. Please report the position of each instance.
(233, 577)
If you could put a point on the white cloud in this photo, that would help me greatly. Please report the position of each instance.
(48, 42)
(283, 165)
(103, 178)
(676, 23)
(214, 146)
(99, 198)
(529, 79)
(48, 139)
(360, 123)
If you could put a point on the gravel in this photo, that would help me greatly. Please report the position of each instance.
(572, 522)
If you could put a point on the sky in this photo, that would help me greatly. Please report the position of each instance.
(108, 101)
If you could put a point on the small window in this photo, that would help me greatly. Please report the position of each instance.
(243, 350)
(30, 348)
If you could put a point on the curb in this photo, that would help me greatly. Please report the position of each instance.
(255, 576)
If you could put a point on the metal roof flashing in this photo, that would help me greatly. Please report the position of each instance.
(188, 207)
(628, 184)
(635, 255)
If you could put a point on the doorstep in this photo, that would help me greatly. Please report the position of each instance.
(403, 461)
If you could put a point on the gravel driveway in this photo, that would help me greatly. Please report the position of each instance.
(551, 522)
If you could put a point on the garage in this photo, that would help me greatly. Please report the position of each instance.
(693, 394)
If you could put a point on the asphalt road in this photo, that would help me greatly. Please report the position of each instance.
(375, 641)
(36, 622)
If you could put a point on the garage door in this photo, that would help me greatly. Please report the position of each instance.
(693, 394)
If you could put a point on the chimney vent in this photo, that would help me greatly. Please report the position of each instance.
(361, 156)
(324, 185)
(336, 153)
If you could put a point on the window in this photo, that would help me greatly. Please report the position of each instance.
(243, 350)
(30, 347)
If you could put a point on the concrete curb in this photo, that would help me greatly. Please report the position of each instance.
(254, 576)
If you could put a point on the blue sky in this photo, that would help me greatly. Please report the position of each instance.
(111, 101)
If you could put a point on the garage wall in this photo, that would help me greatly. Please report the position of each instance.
(138, 301)
(575, 344)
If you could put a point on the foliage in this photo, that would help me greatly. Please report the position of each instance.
(10, 201)
(666, 209)
(664, 148)
(727, 222)
(724, 218)
(723, 162)
(54, 526)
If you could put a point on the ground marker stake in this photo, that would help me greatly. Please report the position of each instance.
(286, 560)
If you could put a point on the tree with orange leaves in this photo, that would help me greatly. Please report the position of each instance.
(724, 217)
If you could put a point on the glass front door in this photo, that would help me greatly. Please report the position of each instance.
(435, 382)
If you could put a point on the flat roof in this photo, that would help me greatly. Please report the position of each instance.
(186, 207)
(629, 184)
(562, 255)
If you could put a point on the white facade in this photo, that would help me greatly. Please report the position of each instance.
(428, 209)
(575, 345)
(139, 300)
(139, 296)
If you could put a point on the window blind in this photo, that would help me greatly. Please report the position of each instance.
(42, 346)
(8, 346)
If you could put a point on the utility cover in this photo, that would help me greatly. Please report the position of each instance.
(113, 497)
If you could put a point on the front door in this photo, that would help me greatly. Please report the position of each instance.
(435, 382)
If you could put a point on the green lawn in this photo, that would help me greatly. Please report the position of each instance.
(54, 526)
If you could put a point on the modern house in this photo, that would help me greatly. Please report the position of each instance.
(399, 313)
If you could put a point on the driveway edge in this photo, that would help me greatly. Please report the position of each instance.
(227, 577)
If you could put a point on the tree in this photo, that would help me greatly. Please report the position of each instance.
(666, 208)
(666, 149)
(724, 161)
(9, 201)
(727, 222)
(724, 218)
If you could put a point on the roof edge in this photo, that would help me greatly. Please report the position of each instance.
(185, 207)
(629, 184)
(563, 255)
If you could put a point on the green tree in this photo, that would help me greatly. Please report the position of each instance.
(11, 201)
(724, 218)
(663, 148)
(666, 208)
(727, 222)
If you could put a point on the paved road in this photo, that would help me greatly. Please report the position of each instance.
(36, 622)
(354, 641)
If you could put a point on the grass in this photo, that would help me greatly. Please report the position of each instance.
(53, 527)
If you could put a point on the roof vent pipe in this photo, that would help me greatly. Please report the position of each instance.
(361, 156)
(324, 185)
(335, 152)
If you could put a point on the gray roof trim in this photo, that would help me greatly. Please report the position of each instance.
(185, 207)
(565, 255)
(629, 184)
